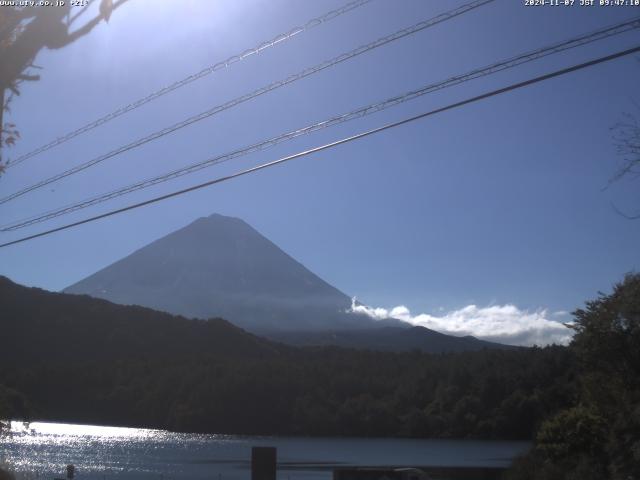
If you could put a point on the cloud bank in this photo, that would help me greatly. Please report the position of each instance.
(499, 323)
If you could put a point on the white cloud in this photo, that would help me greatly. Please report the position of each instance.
(498, 323)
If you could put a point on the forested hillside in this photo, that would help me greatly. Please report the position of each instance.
(85, 360)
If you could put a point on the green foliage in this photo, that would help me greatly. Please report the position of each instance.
(85, 360)
(607, 338)
(575, 431)
(599, 436)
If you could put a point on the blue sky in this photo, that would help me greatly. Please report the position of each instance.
(501, 203)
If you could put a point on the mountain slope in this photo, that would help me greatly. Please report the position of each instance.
(57, 326)
(221, 267)
(46, 327)
(387, 339)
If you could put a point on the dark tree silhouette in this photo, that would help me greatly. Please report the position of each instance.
(24, 32)
(598, 437)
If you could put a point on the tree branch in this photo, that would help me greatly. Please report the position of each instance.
(81, 12)
(72, 37)
(622, 214)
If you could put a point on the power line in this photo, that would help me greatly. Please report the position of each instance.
(511, 62)
(314, 22)
(358, 136)
(237, 101)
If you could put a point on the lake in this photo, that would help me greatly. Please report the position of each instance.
(104, 453)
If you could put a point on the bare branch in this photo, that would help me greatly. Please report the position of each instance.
(626, 138)
(72, 37)
(24, 32)
(625, 215)
(29, 78)
(81, 12)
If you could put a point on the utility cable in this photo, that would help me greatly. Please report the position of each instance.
(511, 62)
(314, 22)
(352, 138)
(232, 103)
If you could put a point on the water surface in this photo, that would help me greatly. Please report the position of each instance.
(104, 453)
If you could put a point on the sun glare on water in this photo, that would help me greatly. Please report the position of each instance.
(68, 430)
(46, 448)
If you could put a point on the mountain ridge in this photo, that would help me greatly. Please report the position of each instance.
(388, 339)
(59, 326)
(221, 266)
(66, 316)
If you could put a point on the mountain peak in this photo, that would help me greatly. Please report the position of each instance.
(216, 219)
(219, 219)
(220, 266)
(219, 216)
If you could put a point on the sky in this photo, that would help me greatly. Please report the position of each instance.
(496, 219)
